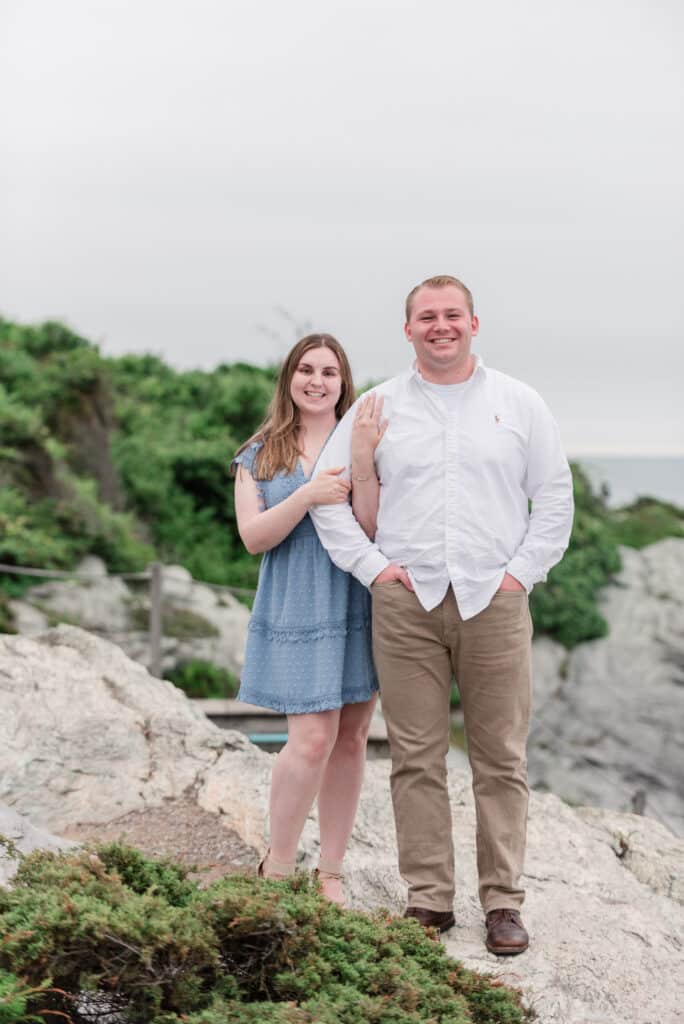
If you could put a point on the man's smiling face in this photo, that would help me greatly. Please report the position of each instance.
(441, 328)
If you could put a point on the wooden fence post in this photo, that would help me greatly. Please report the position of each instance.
(155, 619)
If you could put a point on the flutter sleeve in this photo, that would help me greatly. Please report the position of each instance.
(247, 459)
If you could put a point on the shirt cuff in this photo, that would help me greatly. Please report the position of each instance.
(370, 566)
(524, 572)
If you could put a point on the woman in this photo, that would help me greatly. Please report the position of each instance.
(308, 648)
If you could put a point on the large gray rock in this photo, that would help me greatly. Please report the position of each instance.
(206, 624)
(607, 722)
(87, 735)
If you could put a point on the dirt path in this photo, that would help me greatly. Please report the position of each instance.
(181, 830)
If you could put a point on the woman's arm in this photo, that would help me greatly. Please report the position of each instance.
(367, 432)
(262, 529)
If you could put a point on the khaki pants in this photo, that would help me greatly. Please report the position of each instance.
(416, 652)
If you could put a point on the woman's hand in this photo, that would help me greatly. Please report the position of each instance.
(328, 488)
(368, 429)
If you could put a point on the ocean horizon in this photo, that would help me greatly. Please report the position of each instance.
(628, 477)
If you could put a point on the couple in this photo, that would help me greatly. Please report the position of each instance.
(443, 462)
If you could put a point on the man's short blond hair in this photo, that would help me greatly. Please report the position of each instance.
(442, 281)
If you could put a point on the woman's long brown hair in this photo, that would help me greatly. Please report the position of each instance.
(278, 432)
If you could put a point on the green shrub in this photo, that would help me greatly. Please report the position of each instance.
(201, 679)
(565, 607)
(140, 939)
(646, 521)
(19, 424)
(29, 534)
(13, 999)
(112, 536)
(74, 920)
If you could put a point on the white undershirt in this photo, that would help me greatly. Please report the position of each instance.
(449, 394)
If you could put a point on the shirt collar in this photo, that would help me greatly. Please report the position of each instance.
(479, 368)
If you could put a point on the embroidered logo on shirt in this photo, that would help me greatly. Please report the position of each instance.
(497, 418)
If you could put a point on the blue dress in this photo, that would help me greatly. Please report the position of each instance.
(309, 636)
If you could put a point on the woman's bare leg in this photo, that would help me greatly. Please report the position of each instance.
(340, 788)
(297, 775)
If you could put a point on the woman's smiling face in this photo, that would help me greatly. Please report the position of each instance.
(316, 382)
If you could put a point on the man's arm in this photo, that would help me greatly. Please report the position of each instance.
(548, 485)
(339, 532)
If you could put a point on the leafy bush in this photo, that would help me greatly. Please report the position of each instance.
(565, 606)
(112, 536)
(13, 999)
(75, 920)
(201, 679)
(30, 534)
(177, 434)
(18, 423)
(49, 516)
(136, 937)
(646, 521)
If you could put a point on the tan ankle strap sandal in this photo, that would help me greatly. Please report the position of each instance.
(329, 869)
(273, 869)
(330, 876)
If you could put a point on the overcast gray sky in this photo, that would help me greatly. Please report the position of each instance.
(175, 174)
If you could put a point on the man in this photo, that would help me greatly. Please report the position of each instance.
(456, 552)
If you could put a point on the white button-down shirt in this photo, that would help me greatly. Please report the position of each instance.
(455, 482)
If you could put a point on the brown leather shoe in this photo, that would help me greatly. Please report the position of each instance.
(506, 935)
(439, 919)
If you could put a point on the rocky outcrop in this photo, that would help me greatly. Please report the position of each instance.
(18, 836)
(607, 723)
(199, 622)
(88, 736)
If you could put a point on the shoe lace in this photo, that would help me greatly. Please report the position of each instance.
(507, 915)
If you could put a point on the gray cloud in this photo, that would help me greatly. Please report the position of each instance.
(174, 171)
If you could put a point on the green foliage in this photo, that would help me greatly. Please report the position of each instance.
(178, 433)
(565, 606)
(18, 423)
(145, 942)
(163, 876)
(29, 534)
(55, 533)
(74, 920)
(13, 999)
(647, 521)
(96, 529)
(49, 516)
(15, 996)
(172, 442)
(48, 367)
(201, 679)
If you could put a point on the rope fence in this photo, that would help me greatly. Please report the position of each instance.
(154, 576)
